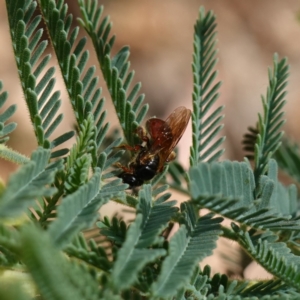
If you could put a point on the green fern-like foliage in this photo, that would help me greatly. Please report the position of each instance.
(203, 284)
(236, 201)
(205, 124)
(288, 158)
(42, 103)
(53, 239)
(268, 134)
(29, 183)
(274, 256)
(186, 248)
(129, 106)
(89, 252)
(6, 129)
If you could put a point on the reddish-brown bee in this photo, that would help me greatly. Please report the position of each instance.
(159, 140)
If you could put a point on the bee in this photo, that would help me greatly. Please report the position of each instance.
(158, 142)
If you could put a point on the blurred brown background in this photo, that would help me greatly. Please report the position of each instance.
(160, 34)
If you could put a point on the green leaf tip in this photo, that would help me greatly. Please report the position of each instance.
(205, 123)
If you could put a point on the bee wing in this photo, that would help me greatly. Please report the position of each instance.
(165, 135)
(178, 121)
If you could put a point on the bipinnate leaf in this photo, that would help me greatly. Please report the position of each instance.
(37, 77)
(77, 211)
(205, 120)
(187, 248)
(275, 256)
(115, 69)
(6, 127)
(156, 215)
(89, 252)
(30, 182)
(289, 207)
(227, 179)
(288, 158)
(227, 188)
(131, 257)
(264, 140)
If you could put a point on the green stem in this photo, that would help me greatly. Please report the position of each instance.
(12, 155)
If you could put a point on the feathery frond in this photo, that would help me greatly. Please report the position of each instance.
(131, 257)
(227, 189)
(81, 155)
(152, 218)
(205, 286)
(114, 230)
(271, 289)
(6, 128)
(205, 125)
(289, 206)
(77, 170)
(84, 96)
(189, 245)
(288, 158)
(85, 203)
(81, 84)
(72, 62)
(270, 123)
(30, 182)
(90, 252)
(156, 215)
(249, 140)
(37, 81)
(115, 70)
(274, 256)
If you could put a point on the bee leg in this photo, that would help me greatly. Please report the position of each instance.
(171, 156)
(130, 148)
(124, 168)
